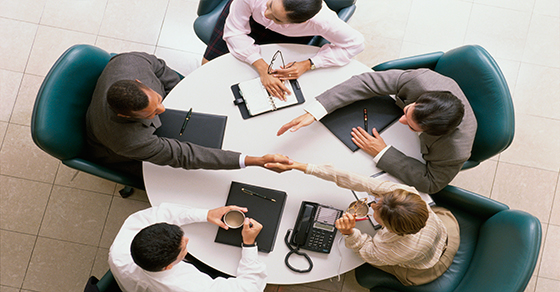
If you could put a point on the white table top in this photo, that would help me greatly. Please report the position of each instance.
(207, 89)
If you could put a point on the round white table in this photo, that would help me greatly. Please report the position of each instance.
(207, 90)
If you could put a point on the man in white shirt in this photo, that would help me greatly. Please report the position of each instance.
(148, 253)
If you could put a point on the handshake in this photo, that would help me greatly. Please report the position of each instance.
(275, 162)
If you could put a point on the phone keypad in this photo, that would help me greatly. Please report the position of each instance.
(320, 240)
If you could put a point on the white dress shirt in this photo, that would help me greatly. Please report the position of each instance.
(345, 42)
(251, 272)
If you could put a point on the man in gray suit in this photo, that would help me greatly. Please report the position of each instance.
(123, 116)
(434, 106)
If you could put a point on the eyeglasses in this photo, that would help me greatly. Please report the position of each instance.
(270, 69)
(360, 208)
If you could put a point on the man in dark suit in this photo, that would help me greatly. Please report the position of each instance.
(123, 116)
(434, 106)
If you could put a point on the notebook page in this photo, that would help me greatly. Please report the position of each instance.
(257, 99)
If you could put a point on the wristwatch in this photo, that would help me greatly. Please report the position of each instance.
(312, 65)
(249, 245)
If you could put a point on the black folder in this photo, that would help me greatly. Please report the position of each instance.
(382, 112)
(266, 212)
(240, 102)
(202, 129)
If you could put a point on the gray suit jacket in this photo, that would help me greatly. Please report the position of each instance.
(444, 155)
(122, 143)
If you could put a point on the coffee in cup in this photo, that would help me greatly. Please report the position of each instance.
(234, 218)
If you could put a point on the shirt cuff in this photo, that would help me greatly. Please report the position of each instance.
(242, 161)
(316, 109)
(380, 154)
(250, 252)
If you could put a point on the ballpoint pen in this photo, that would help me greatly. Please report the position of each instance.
(187, 118)
(256, 194)
(365, 120)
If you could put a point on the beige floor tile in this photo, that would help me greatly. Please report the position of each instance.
(379, 50)
(478, 179)
(134, 20)
(10, 82)
(177, 31)
(531, 285)
(3, 128)
(22, 204)
(20, 157)
(555, 215)
(59, 266)
(23, 107)
(298, 288)
(536, 91)
(16, 38)
(120, 210)
(544, 227)
(9, 289)
(100, 266)
(547, 7)
(75, 215)
(543, 41)
(26, 10)
(84, 15)
(112, 45)
(535, 143)
(520, 5)
(550, 263)
(547, 285)
(351, 285)
(438, 22)
(501, 31)
(525, 188)
(49, 44)
(15, 252)
(383, 18)
(73, 178)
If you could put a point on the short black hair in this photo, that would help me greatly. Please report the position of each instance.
(299, 11)
(157, 246)
(126, 96)
(438, 112)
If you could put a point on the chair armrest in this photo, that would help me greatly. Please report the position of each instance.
(205, 23)
(469, 202)
(206, 6)
(506, 253)
(108, 283)
(104, 172)
(346, 13)
(415, 62)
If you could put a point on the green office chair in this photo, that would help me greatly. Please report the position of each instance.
(106, 284)
(210, 10)
(483, 83)
(58, 120)
(498, 251)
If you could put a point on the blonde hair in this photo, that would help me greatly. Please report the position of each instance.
(402, 212)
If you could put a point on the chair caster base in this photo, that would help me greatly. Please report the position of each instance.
(126, 192)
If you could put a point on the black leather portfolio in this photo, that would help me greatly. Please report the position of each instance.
(264, 210)
(381, 110)
(202, 129)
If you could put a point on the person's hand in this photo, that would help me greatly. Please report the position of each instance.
(274, 86)
(251, 229)
(268, 158)
(281, 167)
(294, 125)
(372, 145)
(346, 223)
(292, 71)
(215, 215)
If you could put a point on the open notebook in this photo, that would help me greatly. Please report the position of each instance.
(253, 99)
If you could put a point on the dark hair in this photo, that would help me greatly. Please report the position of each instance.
(156, 246)
(126, 96)
(438, 112)
(402, 212)
(299, 11)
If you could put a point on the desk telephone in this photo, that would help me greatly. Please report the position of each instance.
(314, 229)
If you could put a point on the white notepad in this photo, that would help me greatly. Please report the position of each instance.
(259, 101)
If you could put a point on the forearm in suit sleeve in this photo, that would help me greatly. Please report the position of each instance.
(428, 178)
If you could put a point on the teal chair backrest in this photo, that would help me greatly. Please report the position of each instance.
(484, 85)
(58, 124)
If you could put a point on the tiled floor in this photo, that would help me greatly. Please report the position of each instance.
(56, 225)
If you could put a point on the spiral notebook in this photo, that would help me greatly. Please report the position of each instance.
(252, 98)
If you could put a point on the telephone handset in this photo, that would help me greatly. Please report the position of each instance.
(314, 229)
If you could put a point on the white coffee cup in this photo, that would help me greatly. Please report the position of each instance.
(234, 218)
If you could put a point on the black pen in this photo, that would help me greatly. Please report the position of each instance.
(256, 194)
(365, 120)
(187, 118)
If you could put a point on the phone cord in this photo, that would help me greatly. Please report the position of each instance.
(296, 251)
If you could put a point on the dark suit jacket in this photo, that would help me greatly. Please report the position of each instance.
(122, 143)
(444, 155)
